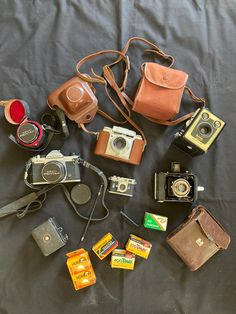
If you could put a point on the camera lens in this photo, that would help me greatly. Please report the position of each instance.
(122, 187)
(53, 172)
(27, 133)
(119, 143)
(181, 188)
(205, 129)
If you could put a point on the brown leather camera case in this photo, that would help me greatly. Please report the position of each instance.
(198, 238)
(160, 91)
(76, 99)
(135, 155)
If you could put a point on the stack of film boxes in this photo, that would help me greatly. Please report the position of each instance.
(122, 258)
(79, 263)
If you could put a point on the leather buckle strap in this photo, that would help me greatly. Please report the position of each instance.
(196, 99)
(155, 49)
(97, 78)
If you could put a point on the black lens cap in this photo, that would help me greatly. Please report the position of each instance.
(27, 132)
(81, 194)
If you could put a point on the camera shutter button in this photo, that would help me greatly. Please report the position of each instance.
(74, 93)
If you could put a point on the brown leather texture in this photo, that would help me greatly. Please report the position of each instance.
(160, 91)
(198, 238)
(76, 98)
(135, 155)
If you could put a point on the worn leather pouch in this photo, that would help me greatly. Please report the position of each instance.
(160, 91)
(198, 238)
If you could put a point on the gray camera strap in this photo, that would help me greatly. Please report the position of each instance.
(31, 202)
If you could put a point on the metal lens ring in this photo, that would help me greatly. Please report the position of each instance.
(205, 129)
(53, 172)
(119, 144)
(181, 188)
(27, 132)
(122, 187)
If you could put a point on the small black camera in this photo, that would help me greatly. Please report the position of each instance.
(54, 168)
(49, 236)
(199, 132)
(176, 186)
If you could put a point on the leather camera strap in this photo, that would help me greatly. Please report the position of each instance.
(100, 79)
(155, 49)
(110, 79)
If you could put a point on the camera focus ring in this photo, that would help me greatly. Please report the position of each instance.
(53, 172)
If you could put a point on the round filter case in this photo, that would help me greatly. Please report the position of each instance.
(81, 194)
(30, 134)
(16, 111)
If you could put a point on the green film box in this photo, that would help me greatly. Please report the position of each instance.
(157, 222)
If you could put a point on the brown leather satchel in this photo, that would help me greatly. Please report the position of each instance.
(160, 90)
(198, 238)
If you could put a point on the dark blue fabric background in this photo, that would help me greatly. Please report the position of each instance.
(40, 44)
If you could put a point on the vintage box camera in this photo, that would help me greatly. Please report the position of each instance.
(49, 236)
(54, 168)
(120, 144)
(122, 186)
(199, 133)
(176, 186)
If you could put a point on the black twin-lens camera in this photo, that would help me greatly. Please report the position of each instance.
(176, 186)
(199, 132)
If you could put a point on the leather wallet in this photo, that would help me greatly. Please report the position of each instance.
(198, 238)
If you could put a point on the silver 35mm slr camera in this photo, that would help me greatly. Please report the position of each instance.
(53, 168)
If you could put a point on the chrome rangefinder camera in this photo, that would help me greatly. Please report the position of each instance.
(54, 168)
(121, 186)
(176, 186)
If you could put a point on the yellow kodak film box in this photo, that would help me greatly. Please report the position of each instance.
(105, 246)
(122, 259)
(138, 246)
(157, 222)
(81, 269)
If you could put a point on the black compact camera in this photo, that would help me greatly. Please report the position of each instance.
(49, 236)
(199, 132)
(122, 186)
(54, 168)
(176, 186)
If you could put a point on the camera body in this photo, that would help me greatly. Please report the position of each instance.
(49, 236)
(54, 168)
(122, 186)
(76, 98)
(120, 144)
(176, 186)
(199, 132)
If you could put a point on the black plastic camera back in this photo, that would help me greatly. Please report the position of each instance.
(176, 186)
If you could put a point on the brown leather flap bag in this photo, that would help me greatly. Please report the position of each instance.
(198, 238)
(160, 91)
